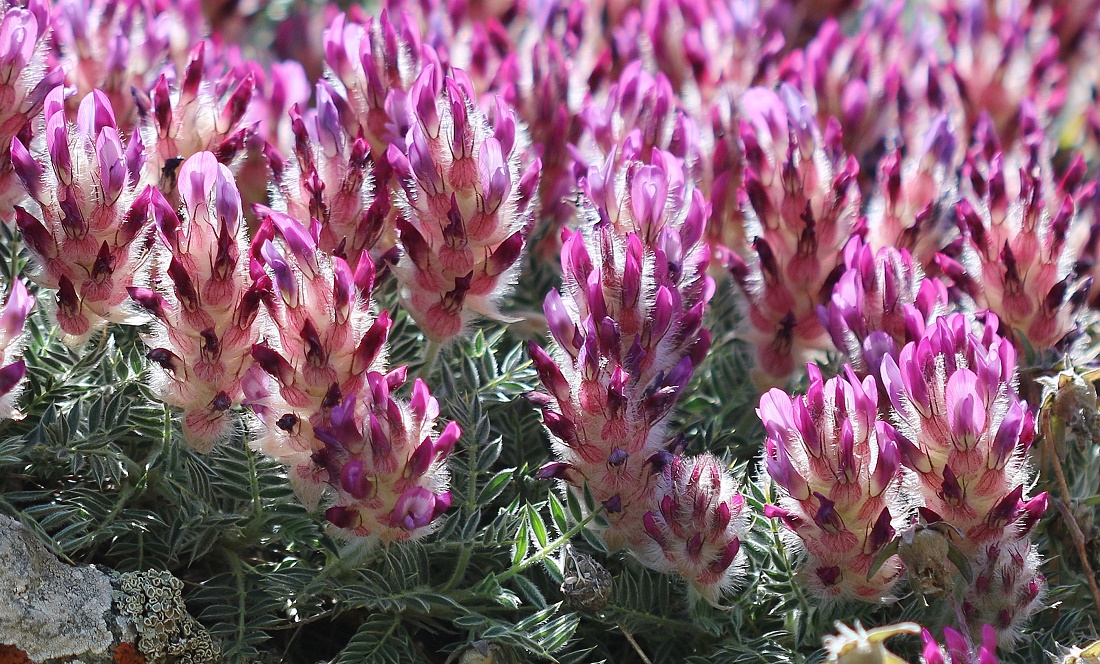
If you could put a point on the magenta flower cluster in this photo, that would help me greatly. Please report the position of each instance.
(627, 331)
(952, 440)
(894, 208)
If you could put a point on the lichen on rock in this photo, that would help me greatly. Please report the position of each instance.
(152, 602)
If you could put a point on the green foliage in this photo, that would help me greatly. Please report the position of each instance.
(99, 470)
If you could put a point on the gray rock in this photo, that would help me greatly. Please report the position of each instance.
(48, 609)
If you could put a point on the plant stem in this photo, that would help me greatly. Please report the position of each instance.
(549, 548)
(460, 568)
(630, 638)
(431, 355)
(1067, 514)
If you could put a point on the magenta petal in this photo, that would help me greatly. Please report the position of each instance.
(966, 414)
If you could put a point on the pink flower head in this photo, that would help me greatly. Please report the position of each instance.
(801, 205)
(1022, 235)
(327, 340)
(628, 335)
(466, 207)
(704, 46)
(203, 300)
(837, 467)
(87, 227)
(332, 178)
(544, 71)
(640, 114)
(24, 83)
(383, 462)
(697, 526)
(204, 110)
(116, 46)
(881, 301)
(376, 62)
(799, 20)
(844, 79)
(13, 318)
(723, 173)
(914, 193)
(280, 88)
(1002, 57)
(965, 434)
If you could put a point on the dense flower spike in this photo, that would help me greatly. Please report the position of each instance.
(203, 300)
(703, 47)
(863, 79)
(965, 433)
(324, 401)
(640, 114)
(327, 341)
(880, 303)
(627, 327)
(545, 71)
(331, 179)
(915, 192)
(88, 228)
(24, 83)
(1023, 235)
(467, 210)
(902, 196)
(698, 524)
(841, 484)
(13, 318)
(116, 46)
(374, 63)
(384, 462)
(801, 205)
(1001, 58)
(203, 111)
(957, 648)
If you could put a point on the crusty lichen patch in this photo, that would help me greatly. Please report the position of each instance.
(49, 609)
(166, 632)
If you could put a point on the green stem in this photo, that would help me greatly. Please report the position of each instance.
(656, 621)
(431, 355)
(349, 558)
(120, 504)
(550, 548)
(460, 567)
(238, 574)
(471, 505)
(254, 484)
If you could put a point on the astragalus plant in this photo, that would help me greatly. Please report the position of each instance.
(464, 331)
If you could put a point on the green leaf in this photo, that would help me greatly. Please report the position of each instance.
(557, 513)
(537, 526)
(522, 542)
(574, 505)
(495, 486)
